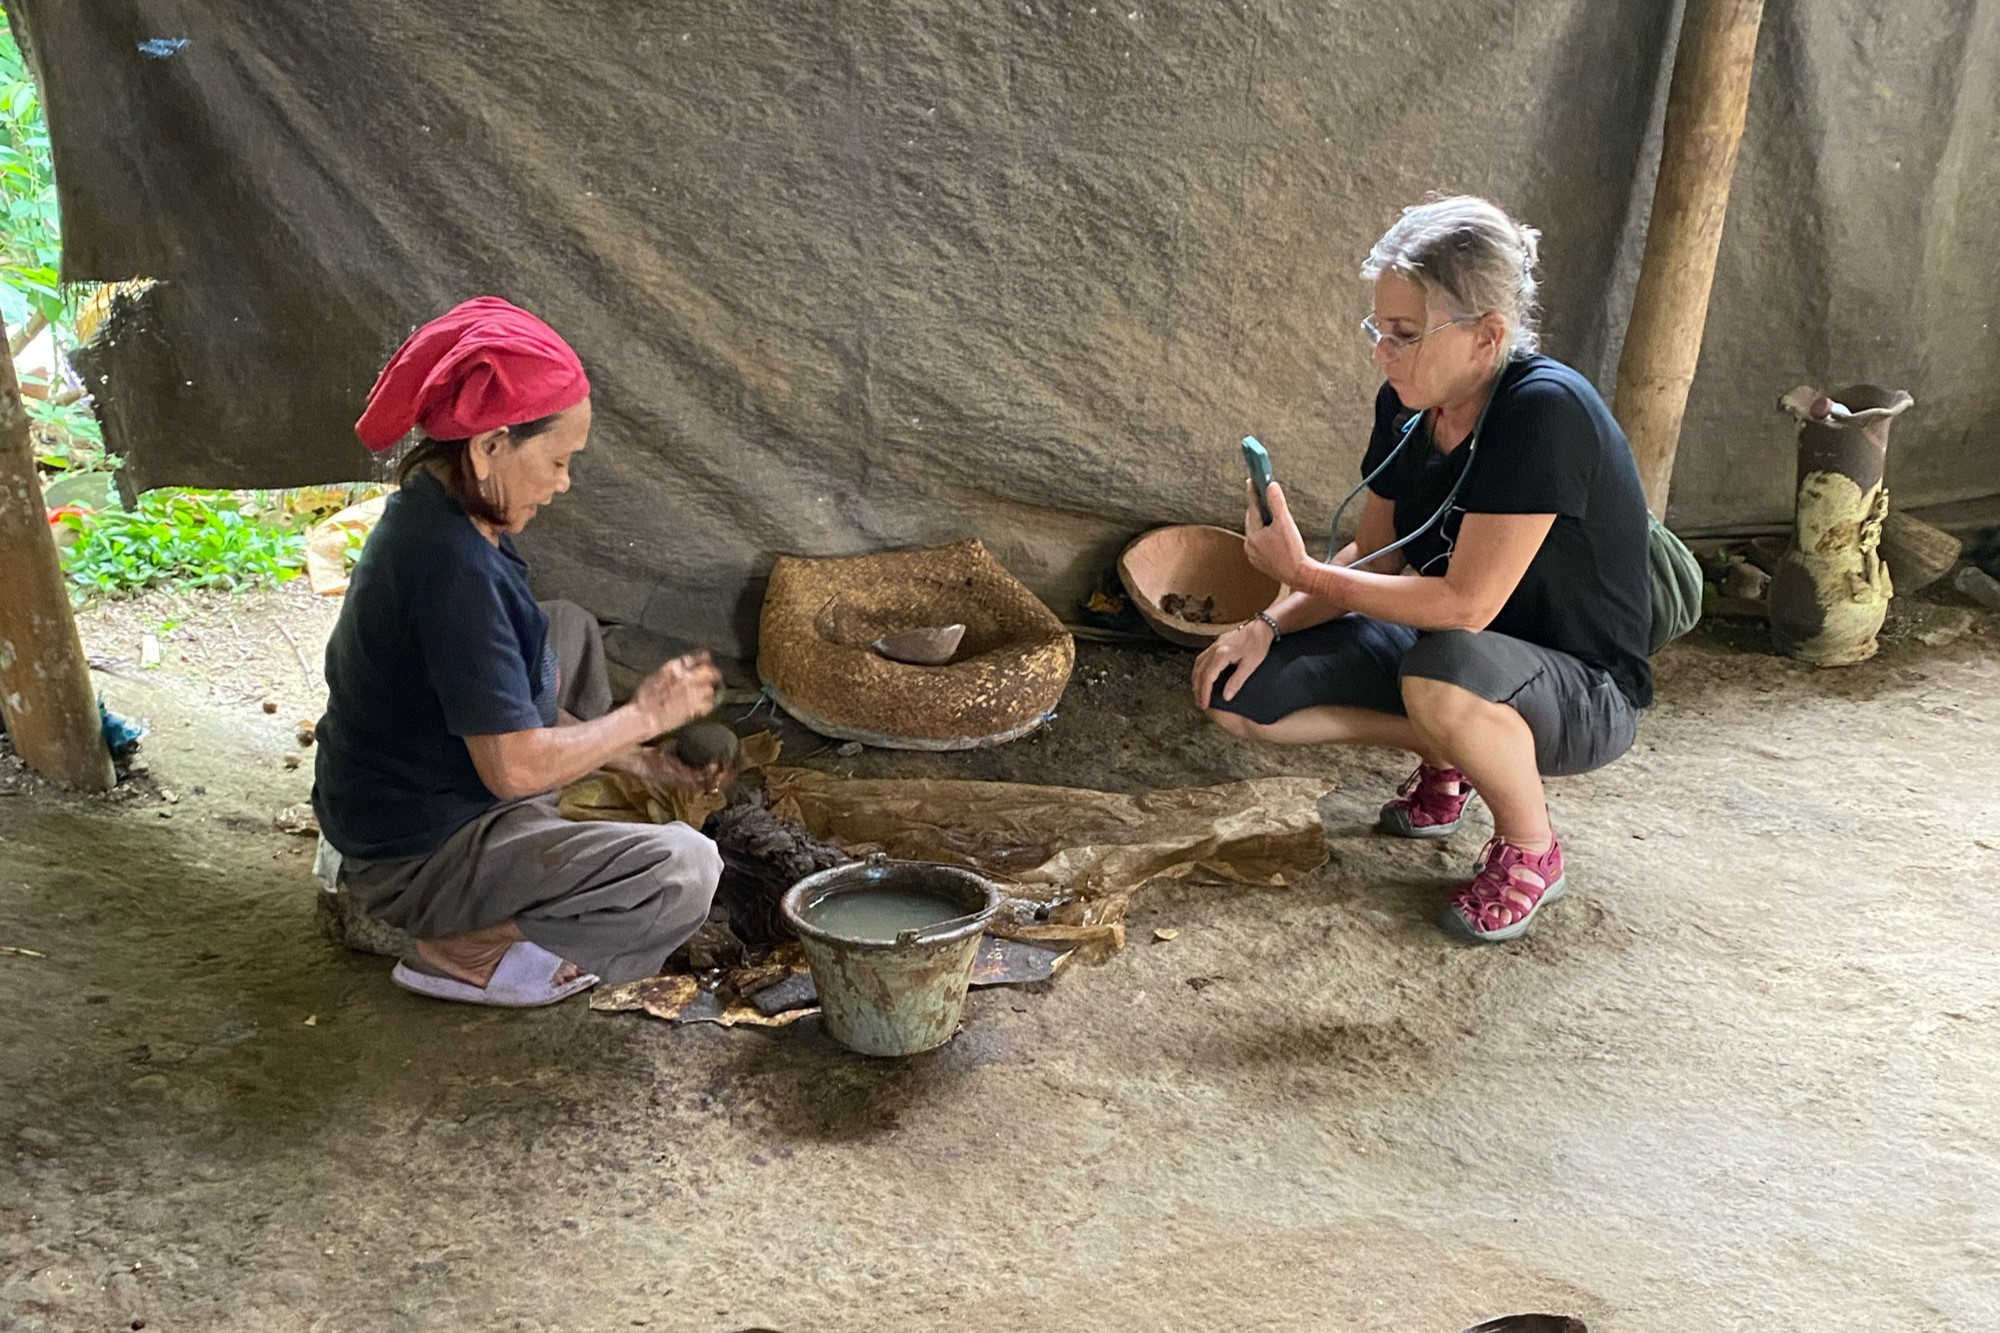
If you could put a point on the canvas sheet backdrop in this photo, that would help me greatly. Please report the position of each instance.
(857, 275)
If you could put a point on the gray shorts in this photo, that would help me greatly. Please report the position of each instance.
(1580, 718)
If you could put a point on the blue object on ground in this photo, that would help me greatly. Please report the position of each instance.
(121, 734)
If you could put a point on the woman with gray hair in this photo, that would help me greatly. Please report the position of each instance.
(1492, 613)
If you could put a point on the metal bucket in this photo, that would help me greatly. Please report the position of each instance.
(893, 996)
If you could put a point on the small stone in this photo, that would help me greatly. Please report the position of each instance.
(306, 734)
(849, 750)
(270, 705)
(170, 796)
(291, 761)
(1745, 580)
(1165, 933)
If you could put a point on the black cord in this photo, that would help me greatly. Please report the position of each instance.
(1409, 431)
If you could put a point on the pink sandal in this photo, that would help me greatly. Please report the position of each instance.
(1508, 888)
(1430, 804)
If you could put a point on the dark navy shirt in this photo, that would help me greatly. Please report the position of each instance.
(1549, 445)
(439, 639)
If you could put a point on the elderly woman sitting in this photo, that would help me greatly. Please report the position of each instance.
(458, 705)
(1498, 482)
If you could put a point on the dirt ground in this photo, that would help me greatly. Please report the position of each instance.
(1747, 1076)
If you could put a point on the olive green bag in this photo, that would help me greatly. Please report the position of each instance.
(1677, 584)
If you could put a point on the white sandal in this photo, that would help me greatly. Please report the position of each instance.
(525, 979)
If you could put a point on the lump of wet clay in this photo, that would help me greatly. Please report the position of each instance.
(707, 743)
(762, 857)
(921, 647)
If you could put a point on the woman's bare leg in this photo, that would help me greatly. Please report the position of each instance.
(1491, 744)
(1331, 724)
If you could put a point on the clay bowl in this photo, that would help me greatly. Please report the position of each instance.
(1196, 561)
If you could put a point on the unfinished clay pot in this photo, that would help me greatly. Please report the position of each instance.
(922, 647)
(1194, 564)
(1831, 590)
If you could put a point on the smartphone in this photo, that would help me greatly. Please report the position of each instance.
(1258, 460)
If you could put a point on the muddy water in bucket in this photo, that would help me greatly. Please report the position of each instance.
(891, 944)
(880, 914)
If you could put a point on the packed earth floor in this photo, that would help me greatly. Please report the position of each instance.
(1746, 1076)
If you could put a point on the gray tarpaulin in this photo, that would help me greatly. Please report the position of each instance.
(853, 274)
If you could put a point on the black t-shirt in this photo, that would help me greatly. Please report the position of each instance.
(439, 639)
(1548, 446)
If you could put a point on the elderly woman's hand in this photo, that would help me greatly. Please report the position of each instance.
(1274, 548)
(678, 693)
(662, 768)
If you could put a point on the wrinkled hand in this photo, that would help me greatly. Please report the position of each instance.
(663, 769)
(678, 693)
(1244, 648)
(1274, 548)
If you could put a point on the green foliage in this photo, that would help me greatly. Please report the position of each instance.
(303, 506)
(174, 538)
(181, 539)
(30, 225)
(67, 437)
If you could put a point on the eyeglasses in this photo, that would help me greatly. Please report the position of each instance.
(1395, 344)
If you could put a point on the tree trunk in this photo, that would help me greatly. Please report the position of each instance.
(1706, 106)
(45, 693)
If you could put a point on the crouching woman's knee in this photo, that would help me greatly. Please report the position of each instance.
(1431, 670)
(1236, 724)
(692, 867)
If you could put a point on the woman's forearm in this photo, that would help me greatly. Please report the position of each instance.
(518, 764)
(1420, 603)
(1298, 610)
(1304, 609)
(631, 759)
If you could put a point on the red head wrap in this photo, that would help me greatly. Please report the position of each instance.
(484, 365)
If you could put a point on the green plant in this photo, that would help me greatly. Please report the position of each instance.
(181, 539)
(30, 223)
(67, 437)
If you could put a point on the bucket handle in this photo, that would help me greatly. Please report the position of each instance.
(923, 934)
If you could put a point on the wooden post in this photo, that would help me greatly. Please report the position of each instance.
(45, 693)
(1706, 106)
